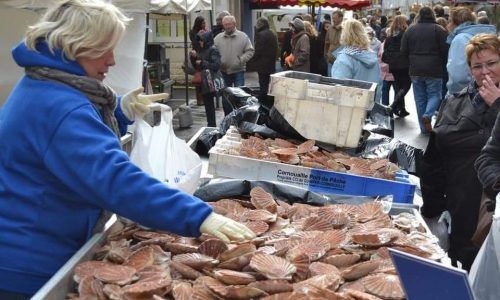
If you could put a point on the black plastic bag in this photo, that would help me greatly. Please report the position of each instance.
(206, 141)
(380, 120)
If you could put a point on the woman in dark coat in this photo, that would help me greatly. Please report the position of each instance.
(208, 57)
(464, 124)
(316, 51)
(199, 26)
(264, 59)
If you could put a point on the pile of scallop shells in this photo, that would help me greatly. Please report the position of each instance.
(308, 155)
(300, 252)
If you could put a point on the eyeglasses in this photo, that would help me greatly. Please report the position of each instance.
(490, 65)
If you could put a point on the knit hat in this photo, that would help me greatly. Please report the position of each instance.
(297, 24)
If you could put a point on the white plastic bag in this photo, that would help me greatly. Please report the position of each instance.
(158, 152)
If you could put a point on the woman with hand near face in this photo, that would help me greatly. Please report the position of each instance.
(464, 124)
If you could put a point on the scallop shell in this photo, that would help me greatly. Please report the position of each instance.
(212, 248)
(258, 227)
(91, 287)
(180, 248)
(182, 290)
(333, 237)
(306, 146)
(237, 263)
(263, 200)
(141, 258)
(301, 263)
(115, 274)
(369, 211)
(285, 151)
(283, 143)
(230, 205)
(267, 250)
(314, 248)
(316, 223)
(385, 286)
(375, 239)
(287, 296)
(273, 286)
(202, 288)
(359, 270)
(327, 281)
(342, 260)
(273, 267)
(147, 288)
(143, 235)
(244, 292)
(315, 292)
(320, 268)
(195, 260)
(186, 271)
(258, 215)
(233, 277)
(237, 251)
(88, 268)
(298, 211)
(359, 295)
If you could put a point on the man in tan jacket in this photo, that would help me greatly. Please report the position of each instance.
(332, 39)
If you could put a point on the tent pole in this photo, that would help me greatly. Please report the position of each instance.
(186, 57)
(145, 64)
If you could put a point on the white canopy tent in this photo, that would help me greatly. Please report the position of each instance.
(16, 15)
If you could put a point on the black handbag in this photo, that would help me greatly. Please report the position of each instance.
(213, 82)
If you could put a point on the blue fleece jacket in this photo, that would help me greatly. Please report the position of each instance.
(459, 75)
(353, 63)
(60, 165)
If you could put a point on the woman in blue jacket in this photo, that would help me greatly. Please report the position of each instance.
(354, 59)
(61, 164)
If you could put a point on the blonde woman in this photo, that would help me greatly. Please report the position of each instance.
(354, 59)
(61, 166)
(315, 54)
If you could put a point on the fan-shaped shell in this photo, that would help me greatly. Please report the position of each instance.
(258, 227)
(258, 215)
(285, 151)
(342, 260)
(287, 296)
(141, 258)
(263, 200)
(186, 271)
(237, 263)
(320, 268)
(182, 290)
(233, 277)
(333, 237)
(359, 270)
(147, 288)
(375, 239)
(115, 274)
(385, 286)
(212, 248)
(273, 286)
(314, 248)
(180, 248)
(306, 146)
(88, 268)
(301, 263)
(273, 267)
(237, 251)
(195, 260)
(359, 295)
(327, 281)
(316, 223)
(369, 211)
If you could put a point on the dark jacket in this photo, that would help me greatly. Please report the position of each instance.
(266, 47)
(488, 163)
(286, 47)
(209, 56)
(425, 45)
(315, 54)
(448, 179)
(393, 56)
(301, 50)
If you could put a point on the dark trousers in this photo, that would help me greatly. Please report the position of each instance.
(13, 296)
(264, 99)
(402, 84)
(208, 102)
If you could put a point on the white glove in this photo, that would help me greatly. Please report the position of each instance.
(134, 104)
(225, 228)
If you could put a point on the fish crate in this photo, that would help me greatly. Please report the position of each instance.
(324, 109)
(225, 165)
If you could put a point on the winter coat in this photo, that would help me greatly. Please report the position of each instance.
(488, 163)
(358, 64)
(447, 177)
(332, 42)
(314, 55)
(425, 46)
(60, 166)
(393, 55)
(209, 56)
(235, 50)
(266, 47)
(301, 50)
(458, 70)
(385, 73)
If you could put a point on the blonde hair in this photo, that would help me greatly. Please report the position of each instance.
(354, 35)
(80, 28)
(310, 29)
(399, 24)
(480, 42)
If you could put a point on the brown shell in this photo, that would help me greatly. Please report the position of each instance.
(115, 274)
(273, 286)
(233, 277)
(237, 251)
(320, 268)
(212, 248)
(267, 250)
(148, 288)
(359, 270)
(287, 296)
(180, 248)
(333, 237)
(385, 286)
(88, 268)
(283, 143)
(258, 215)
(202, 290)
(143, 235)
(91, 287)
(258, 227)
(186, 271)
(237, 263)
(314, 248)
(342, 260)
(306, 146)
(359, 295)
(244, 292)
(182, 290)
(273, 267)
(263, 200)
(195, 260)
(374, 239)
(326, 281)
(301, 263)
(316, 223)
(369, 211)
(141, 258)
(285, 151)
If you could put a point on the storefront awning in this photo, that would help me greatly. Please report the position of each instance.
(346, 4)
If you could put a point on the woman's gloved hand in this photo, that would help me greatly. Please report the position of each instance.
(134, 104)
(225, 228)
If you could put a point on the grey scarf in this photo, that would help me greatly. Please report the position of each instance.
(102, 97)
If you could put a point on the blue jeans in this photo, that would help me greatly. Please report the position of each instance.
(235, 79)
(427, 93)
(386, 87)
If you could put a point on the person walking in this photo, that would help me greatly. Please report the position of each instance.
(199, 26)
(264, 59)
(62, 169)
(299, 59)
(398, 64)
(218, 28)
(332, 39)
(314, 48)
(424, 43)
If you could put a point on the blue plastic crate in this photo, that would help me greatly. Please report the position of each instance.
(348, 184)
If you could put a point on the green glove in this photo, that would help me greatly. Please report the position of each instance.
(135, 105)
(225, 228)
